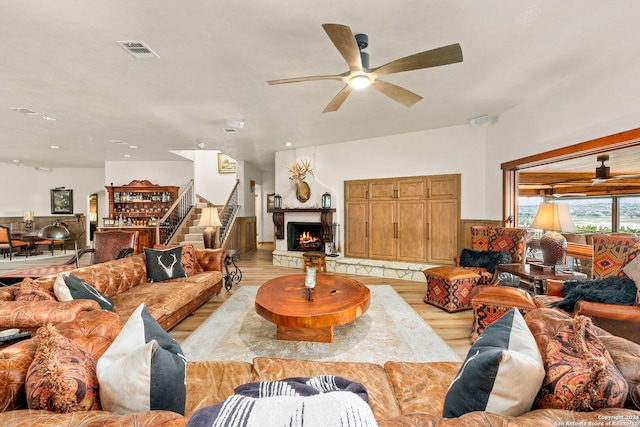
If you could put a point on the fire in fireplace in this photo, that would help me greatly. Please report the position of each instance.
(304, 236)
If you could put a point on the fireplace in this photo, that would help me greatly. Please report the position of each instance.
(304, 236)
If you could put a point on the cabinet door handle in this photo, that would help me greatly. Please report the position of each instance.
(396, 234)
(366, 229)
(428, 231)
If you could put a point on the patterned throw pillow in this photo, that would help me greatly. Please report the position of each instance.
(32, 291)
(502, 372)
(144, 369)
(189, 260)
(580, 374)
(164, 264)
(62, 376)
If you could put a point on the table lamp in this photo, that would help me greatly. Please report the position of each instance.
(28, 220)
(553, 217)
(210, 219)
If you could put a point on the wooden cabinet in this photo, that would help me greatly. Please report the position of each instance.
(412, 219)
(139, 201)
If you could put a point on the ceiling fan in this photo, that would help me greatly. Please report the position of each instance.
(360, 75)
(603, 173)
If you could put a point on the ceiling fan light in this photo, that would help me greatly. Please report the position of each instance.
(359, 82)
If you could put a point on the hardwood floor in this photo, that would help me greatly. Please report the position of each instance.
(257, 268)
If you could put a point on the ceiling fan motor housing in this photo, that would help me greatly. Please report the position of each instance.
(602, 171)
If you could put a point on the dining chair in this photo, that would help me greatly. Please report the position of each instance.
(7, 244)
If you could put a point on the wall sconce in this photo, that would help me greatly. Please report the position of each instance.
(326, 201)
(28, 220)
(277, 201)
(252, 184)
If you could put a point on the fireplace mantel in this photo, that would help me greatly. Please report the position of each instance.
(326, 219)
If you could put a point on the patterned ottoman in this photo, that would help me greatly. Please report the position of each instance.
(449, 287)
(491, 302)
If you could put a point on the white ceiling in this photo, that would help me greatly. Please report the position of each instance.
(60, 59)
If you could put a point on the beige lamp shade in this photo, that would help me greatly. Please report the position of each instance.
(210, 219)
(553, 217)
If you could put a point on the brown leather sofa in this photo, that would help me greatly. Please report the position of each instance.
(401, 394)
(125, 282)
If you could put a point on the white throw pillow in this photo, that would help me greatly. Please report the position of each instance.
(502, 373)
(633, 271)
(144, 369)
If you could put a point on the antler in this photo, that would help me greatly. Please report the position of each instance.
(300, 168)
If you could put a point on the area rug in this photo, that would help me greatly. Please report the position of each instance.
(389, 330)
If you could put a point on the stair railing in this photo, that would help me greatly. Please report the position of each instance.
(228, 214)
(170, 222)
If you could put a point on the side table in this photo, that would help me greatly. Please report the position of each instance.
(536, 278)
(235, 275)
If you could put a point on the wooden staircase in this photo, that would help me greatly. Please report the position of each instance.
(190, 232)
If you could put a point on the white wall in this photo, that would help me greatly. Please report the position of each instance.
(213, 186)
(30, 189)
(599, 101)
(177, 173)
(458, 149)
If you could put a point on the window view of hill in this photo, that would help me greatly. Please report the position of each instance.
(589, 215)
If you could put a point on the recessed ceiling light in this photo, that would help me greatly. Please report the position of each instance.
(43, 169)
(127, 155)
(55, 147)
(15, 161)
(48, 118)
(133, 147)
(117, 141)
(288, 144)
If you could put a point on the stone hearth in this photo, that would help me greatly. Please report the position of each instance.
(364, 267)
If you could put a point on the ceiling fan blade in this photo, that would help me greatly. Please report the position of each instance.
(344, 40)
(398, 94)
(616, 177)
(431, 58)
(307, 79)
(338, 100)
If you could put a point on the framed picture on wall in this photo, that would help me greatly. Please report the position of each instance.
(61, 201)
(271, 204)
(226, 164)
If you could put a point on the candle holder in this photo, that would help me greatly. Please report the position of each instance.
(310, 281)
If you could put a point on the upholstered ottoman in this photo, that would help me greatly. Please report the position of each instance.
(449, 287)
(491, 302)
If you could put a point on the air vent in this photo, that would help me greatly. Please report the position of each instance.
(138, 49)
(230, 130)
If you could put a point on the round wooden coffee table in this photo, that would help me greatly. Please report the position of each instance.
(336, 300)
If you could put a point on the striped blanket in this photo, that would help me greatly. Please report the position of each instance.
(322, 401)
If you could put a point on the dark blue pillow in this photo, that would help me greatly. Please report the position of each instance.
(484, 259)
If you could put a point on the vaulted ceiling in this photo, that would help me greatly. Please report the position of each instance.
(96, 102)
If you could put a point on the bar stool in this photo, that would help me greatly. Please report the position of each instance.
(314, 258)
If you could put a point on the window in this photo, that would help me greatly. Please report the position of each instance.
(629, 214)
(590, 214)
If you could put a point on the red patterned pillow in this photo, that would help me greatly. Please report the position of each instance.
(188, 260)
(580, 374)
(32, 291)
(62, 376)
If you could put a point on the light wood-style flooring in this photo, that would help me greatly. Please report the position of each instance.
(257, 268)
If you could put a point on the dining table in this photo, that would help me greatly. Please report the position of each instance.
(31, 237)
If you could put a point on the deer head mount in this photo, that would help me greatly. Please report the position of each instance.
(299, 171)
